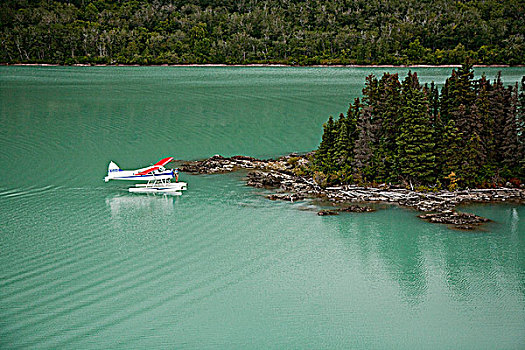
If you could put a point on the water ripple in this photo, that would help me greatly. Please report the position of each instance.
(197, 290)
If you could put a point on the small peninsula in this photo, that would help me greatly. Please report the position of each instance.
(408, 144)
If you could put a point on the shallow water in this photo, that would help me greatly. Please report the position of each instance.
(85, 264)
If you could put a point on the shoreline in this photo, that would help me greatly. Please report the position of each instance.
(269, 65)
(281, 176)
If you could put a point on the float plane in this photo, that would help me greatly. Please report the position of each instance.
(157, 176)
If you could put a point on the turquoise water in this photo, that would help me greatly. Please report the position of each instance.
(84, 264)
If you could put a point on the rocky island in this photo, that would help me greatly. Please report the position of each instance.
(408, 144)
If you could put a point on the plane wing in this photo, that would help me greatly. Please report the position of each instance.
(156, 166)
(164, 161)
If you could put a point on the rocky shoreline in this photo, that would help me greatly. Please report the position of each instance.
(279, 174)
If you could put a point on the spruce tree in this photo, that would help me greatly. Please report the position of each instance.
(342, 143)
(433, 101)
(362, 166)
(370, 91)
(445, 100)
(450, 153)
(324, 159)
(351, 119)
(458, 91)
(474, 159)
(436, 124)
(486, 129)
(463, 92)
(498, 97)
(510, 146)
(521, 131)
(387, 114)
(415, 156)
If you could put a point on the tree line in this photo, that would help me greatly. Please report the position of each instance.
(262, 31)
(469, 134)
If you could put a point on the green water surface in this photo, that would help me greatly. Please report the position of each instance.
(85, 264)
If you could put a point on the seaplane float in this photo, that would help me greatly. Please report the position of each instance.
(157, 177)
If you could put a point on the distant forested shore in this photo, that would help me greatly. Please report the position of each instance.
(341, 32)
(259, 65)
(470, 134)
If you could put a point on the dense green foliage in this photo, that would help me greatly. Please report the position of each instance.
(255, 31)
(470, 134)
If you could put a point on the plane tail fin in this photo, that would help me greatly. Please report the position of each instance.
(112, 168)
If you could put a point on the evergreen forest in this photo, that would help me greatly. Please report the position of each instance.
(470, 134)
(262, 31)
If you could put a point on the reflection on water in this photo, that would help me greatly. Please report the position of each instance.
(404, 262)
(137, 205)
(398, 244)
(416, 254)
(515, 218)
